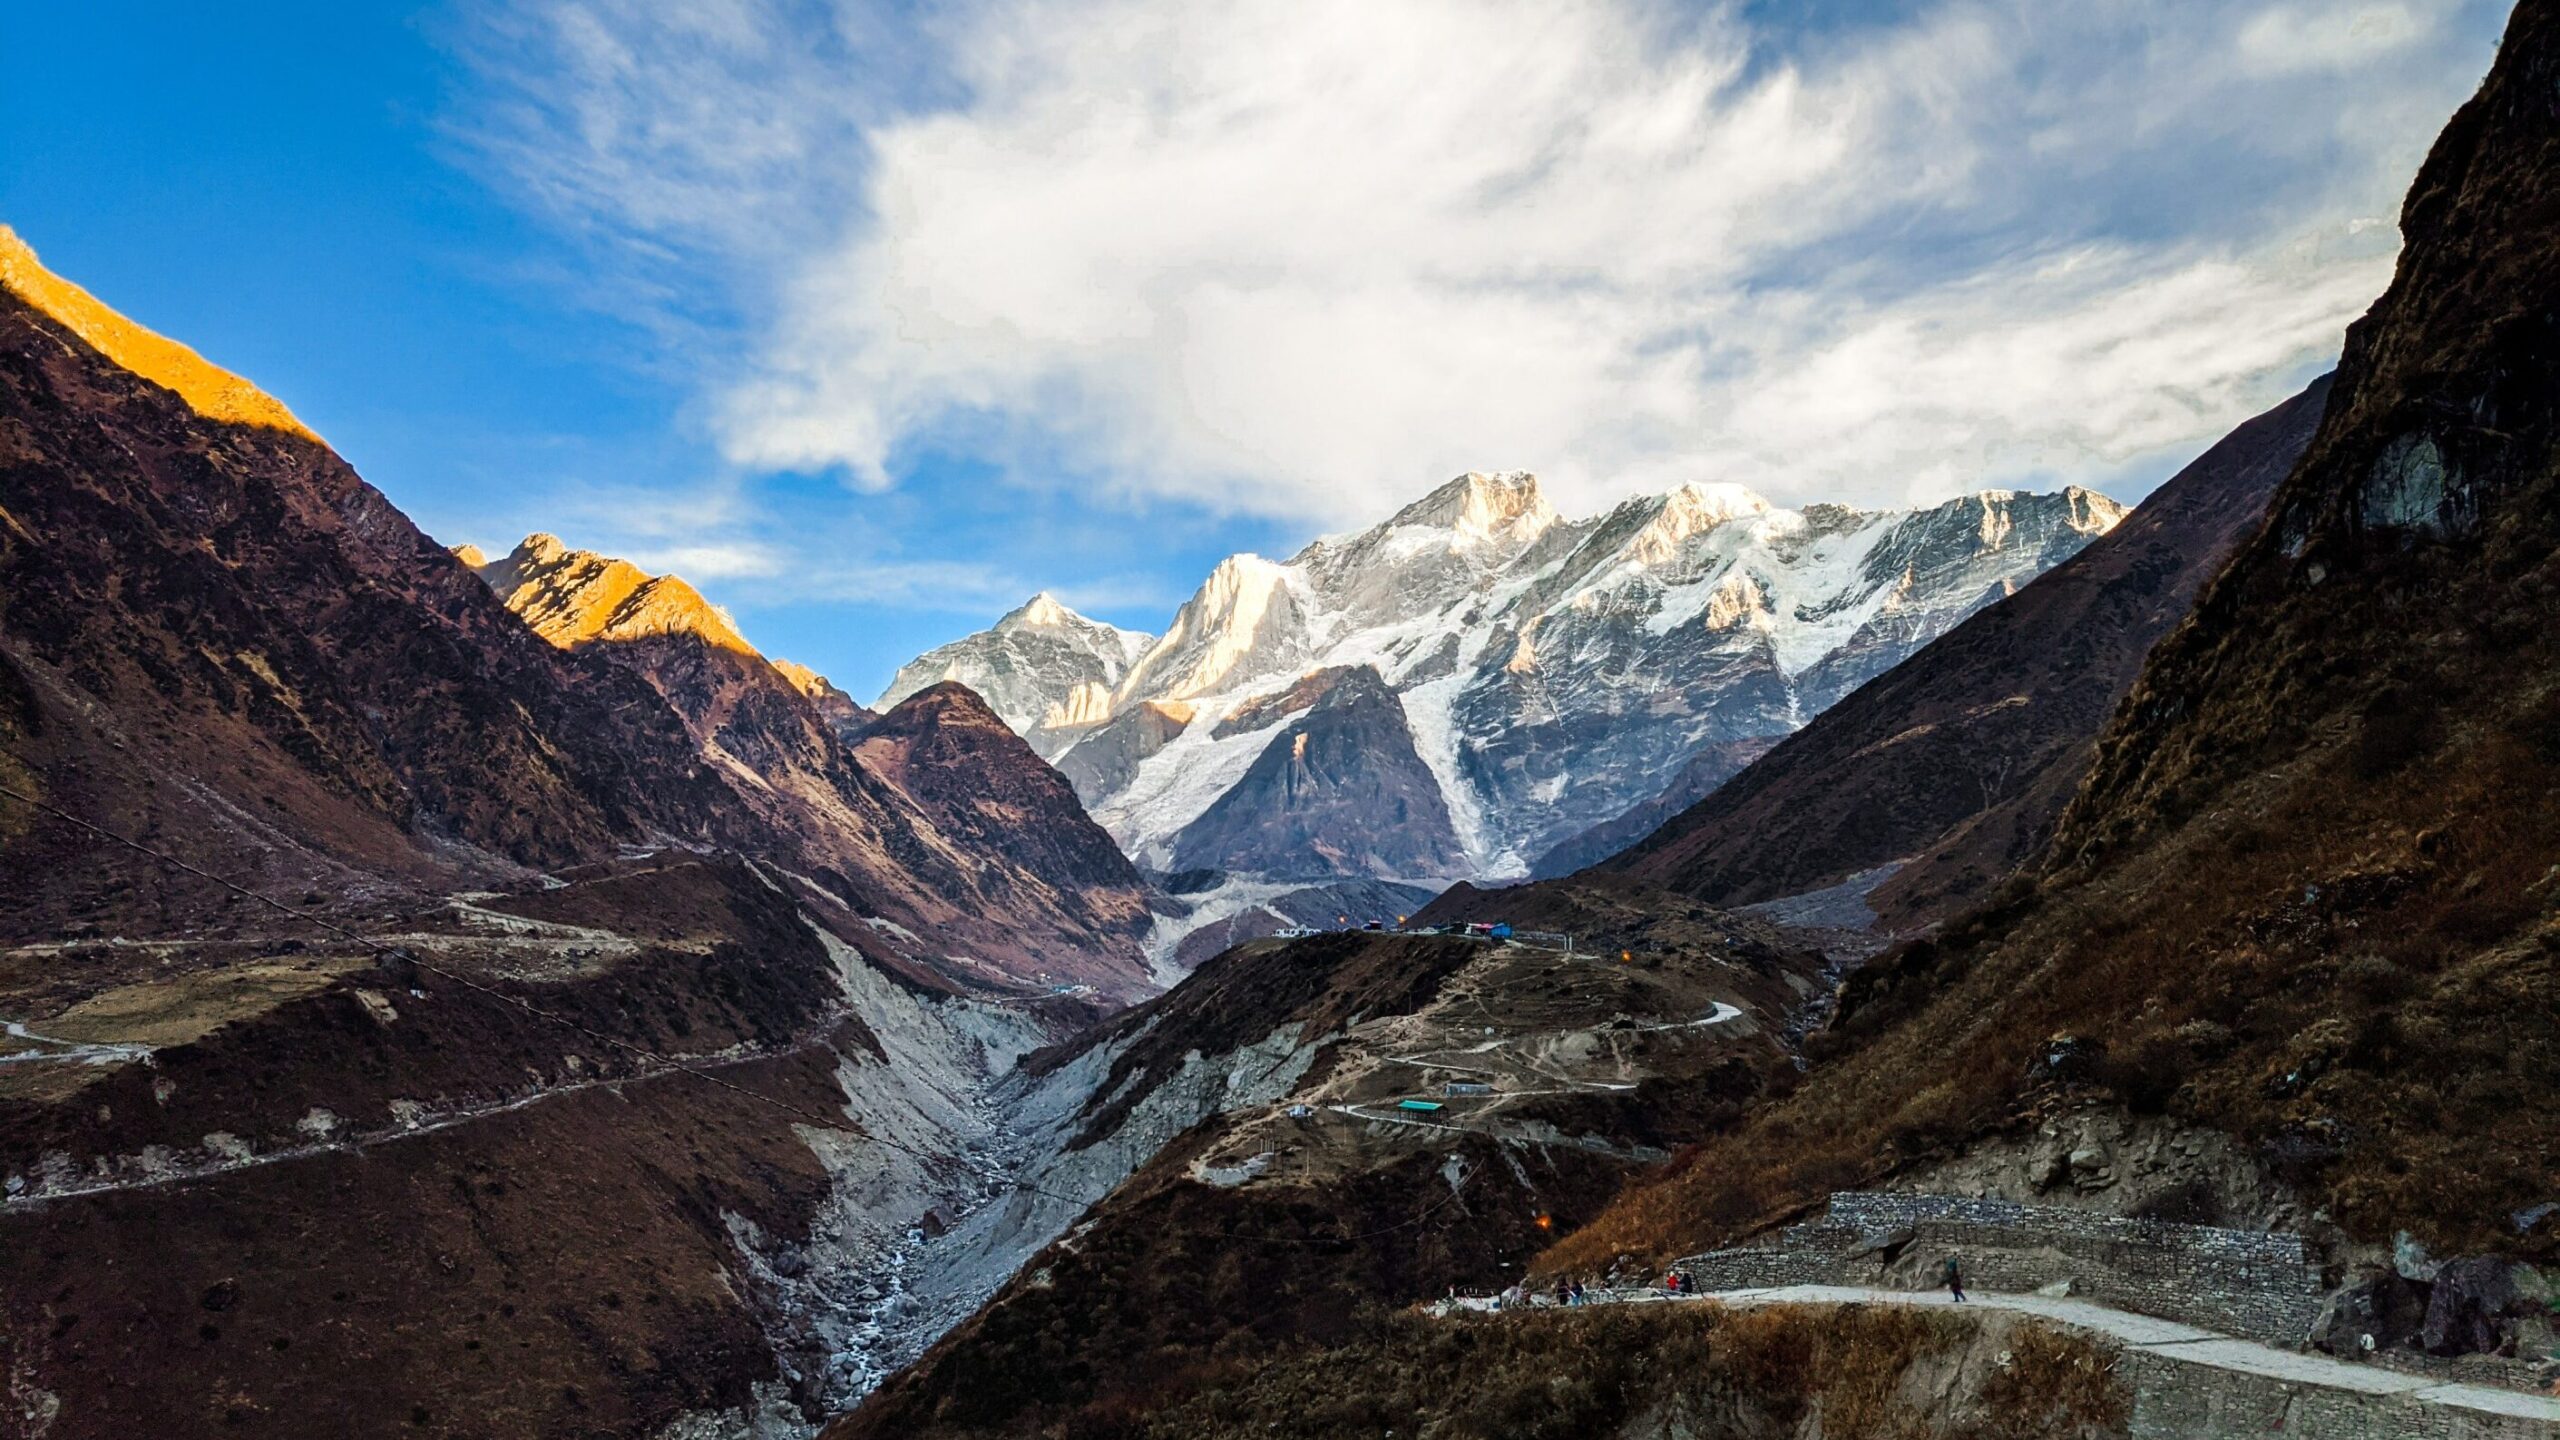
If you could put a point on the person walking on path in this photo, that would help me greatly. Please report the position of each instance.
(1952, 1275)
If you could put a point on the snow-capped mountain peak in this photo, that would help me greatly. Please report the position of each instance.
(1046, 611)
(1046, 670)
(1547, 673)
(1478, 507)
(1246, 615)
(1689, 511)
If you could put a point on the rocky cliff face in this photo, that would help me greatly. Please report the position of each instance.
(1340, 791)
(1707, 770)
(1959, 760)
(2303, 897)
(1553, 673)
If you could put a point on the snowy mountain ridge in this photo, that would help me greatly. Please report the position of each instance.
(1047, 670)
(1541, 674)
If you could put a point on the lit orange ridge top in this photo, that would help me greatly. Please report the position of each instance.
(210, 390)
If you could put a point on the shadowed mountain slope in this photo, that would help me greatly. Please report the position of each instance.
(2304, 898)
(1960, 758)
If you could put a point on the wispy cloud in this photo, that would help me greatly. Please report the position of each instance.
(1300, 260)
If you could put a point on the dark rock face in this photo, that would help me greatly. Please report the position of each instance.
(986, 792)
(228, 640)
(1339, 792)
(1960, 758)
(2304, 889)
(2469, 1307)
(2384, 1306)
(1710, 768)
(1104, 760)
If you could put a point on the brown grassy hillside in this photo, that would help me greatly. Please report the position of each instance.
(2306, 896)
(1682, 1370)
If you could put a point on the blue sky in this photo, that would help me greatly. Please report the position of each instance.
(874, 319)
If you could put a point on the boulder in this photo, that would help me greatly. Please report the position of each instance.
(2383, 1305)
(2474, 1305)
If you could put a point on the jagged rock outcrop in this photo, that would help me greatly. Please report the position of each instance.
(577, 597)
(1960, 759)
(1553, 673)
(571, 597)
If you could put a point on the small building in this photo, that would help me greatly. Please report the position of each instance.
(1425, 1105)
(1466, 1087)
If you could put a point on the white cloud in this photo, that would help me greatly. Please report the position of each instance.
(719, 560)
(1303, 259)
(2295, 37)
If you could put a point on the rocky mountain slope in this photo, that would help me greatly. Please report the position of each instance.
(315, 1147)
(1047, 670)
(1274, 1189)
(1695, 781)
(554, 1178)
(573, 597)
(1551, 673)
(1956, 762)
(1045, 896)
(1339, 791)
(2302, 905)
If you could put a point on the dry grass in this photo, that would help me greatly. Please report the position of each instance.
(208, 389)
(2055, 1383)
(1867, 1373)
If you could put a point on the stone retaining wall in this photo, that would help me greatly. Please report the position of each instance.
(2258, 1284)
(2179, 1399)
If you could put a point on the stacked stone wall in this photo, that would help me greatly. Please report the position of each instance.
(2259, 1284)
